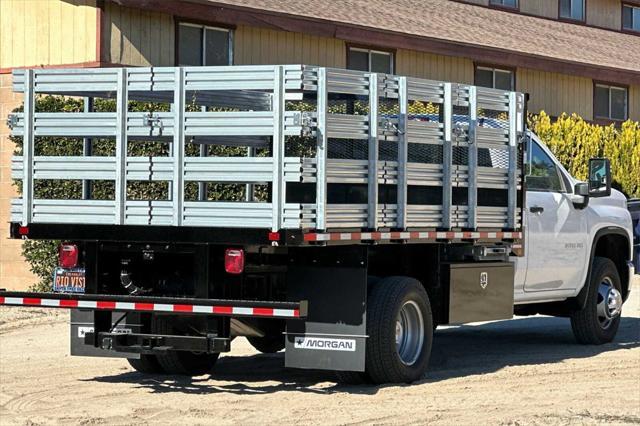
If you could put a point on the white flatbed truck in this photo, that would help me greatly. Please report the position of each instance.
(361, 224)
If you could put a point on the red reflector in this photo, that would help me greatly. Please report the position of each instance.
(234, 261)
(23, 230)
(274, 236)
(68, 256)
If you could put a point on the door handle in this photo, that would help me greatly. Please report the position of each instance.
(536, 209)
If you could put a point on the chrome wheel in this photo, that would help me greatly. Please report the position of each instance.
(609, 303)
(409, 332)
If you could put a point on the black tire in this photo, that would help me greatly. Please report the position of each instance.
(183, 362)
(585, 323)
(268, 344)
(383, 362)
(147, 364)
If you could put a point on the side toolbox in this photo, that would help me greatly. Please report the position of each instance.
(478, 291)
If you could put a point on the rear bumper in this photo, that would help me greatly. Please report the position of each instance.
(118, 303)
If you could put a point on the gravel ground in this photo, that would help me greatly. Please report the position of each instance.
(527, 371)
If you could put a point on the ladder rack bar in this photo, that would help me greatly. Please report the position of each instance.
(28, 148)
(202, 186)
(372, 217)
(402, 153)
(447, 155)
(87, 150)
(177, 192)
(121, 147)
(321, 150)
(513, 163)
(278, 184)
(472, 194)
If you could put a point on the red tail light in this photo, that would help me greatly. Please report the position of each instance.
(68, 256)
(234, 261)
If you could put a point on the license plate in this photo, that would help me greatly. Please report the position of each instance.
(69, 280)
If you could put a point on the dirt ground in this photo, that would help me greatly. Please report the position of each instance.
(520, 372)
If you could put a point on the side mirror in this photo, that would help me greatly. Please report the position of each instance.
(580, 196)
(599, 177)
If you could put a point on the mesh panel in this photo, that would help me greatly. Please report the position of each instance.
(348, 105)
(496, 158)
(348, 149)
(460, 156)
(424, 153)
(493, 119)
(297, 146)
(388, 151)
(388, 107)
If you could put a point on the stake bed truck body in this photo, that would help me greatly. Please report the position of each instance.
(339, 215)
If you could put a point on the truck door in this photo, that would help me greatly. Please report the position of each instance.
(556, 232)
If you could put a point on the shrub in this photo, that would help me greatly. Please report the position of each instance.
(573, 141)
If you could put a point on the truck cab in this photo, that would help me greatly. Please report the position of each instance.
(569, 225)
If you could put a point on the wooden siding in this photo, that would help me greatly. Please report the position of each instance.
(435, 67)
(263, 46)
(634, 102)
(137, 37)
(47, 32)
(556, 93)
(605, 13)
(546, 8)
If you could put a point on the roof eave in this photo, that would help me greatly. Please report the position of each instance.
(223, 13)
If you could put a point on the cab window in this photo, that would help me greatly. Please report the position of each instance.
(542, 172)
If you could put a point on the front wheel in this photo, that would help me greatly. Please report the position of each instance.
(598, 321)
(400, 329)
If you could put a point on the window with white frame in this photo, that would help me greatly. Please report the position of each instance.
(630, 17)
(204, 45)
(362, 59)
(494, 78)
(610, 102)
(572, 9)
(505, 3)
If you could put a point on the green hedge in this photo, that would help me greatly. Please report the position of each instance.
(572, 140)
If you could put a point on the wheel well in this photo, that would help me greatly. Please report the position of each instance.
(616, 248)
(419, 261)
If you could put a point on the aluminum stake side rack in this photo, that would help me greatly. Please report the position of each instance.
(342, 175)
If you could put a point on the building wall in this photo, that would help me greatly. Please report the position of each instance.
(556, 93)
(263, 46)
(435, 67)
(546, 8)
(634, 102)
(137, 37)
(47, 32)
(605, 13)
(600, 13)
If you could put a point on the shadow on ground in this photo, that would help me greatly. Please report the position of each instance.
(458, 352)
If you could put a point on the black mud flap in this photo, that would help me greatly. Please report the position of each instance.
(82, 322)
(333, 336)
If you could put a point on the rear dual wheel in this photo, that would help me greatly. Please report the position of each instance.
(400, 333)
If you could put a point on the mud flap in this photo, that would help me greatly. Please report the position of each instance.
(82, 322)
(333, 337)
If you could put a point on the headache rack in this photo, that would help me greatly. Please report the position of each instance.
(322, 150)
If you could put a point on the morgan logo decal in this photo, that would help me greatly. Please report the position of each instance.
(325, 344)
(484, 279)
(84, 330)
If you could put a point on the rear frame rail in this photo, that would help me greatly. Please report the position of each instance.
(166, 305)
